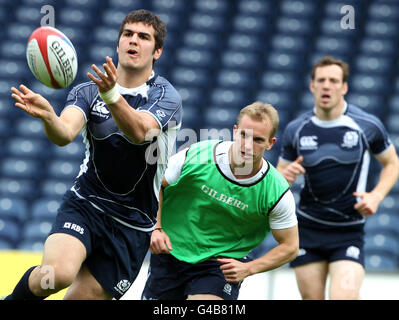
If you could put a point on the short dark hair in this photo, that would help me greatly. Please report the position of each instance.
(261, 111)
(147, 17)
(328, 61)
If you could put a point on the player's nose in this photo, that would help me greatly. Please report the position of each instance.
(133, 38)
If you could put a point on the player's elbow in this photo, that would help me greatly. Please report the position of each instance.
(144, 134)
(60, 141)
(292, 250)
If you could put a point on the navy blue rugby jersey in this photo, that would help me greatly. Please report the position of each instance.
(118, 177)
(336, 157)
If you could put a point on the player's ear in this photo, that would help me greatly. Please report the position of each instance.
(345, 88)
(272, 141)
(311, 86)
(157, 53)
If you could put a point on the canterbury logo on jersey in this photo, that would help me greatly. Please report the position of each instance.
(308, 143)
(100, 110)
(224, 198)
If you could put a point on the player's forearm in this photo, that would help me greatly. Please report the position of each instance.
(388, 177)
(159, 224)
(278, 256)
(130, 121)
(57, 131)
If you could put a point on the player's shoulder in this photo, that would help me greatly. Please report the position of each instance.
(304, 117)
(86, 91)
(355, 111)
(161, 83)
(362, 117)
(85, 88)
(278, 178)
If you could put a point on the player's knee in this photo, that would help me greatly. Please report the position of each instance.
(344, 295)
(64, 275)
(51, 278)
(313, 295)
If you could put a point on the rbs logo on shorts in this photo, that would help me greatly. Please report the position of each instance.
(73, 226)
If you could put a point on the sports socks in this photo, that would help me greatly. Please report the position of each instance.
(22, 291)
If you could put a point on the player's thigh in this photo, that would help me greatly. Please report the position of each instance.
(64, 248)
(64, 252)
(346, 279)
(311, 279)
(86, 287)
(203, 297)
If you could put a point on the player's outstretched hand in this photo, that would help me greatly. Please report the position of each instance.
(233, 270)
(108, 79)
(160, 242)
(32, 103)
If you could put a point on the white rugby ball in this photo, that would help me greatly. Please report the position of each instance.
(52, 57)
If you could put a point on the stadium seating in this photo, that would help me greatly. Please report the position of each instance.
(21, 188)
(63, 169)
(383, 223)
(221, 55)
(29, 128)
(9, 230)
(19, 168)
(73, 151)
(381, 262)
(13, 208)
(45, 209)
(383, 243)
(36, 230)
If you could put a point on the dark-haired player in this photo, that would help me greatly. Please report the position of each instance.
(130, 117)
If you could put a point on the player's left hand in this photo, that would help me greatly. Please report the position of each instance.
(108, 79)
(368, 204)
(233, 270)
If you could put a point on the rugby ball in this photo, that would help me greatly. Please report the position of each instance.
(52, 57)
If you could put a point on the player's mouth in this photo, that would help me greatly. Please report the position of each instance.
(133, 53)
(325, 98)
(246, 156)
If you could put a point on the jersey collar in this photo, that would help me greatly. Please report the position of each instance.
(139, 89)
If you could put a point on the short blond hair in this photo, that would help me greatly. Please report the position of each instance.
(261, 111)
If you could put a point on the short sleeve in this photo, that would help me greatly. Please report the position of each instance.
(175, 166)
(377, 136)
(78, 97)
(288, 150)
(164, 104)
(283, 214)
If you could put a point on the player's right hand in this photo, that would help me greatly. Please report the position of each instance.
(32, 103)
(160, 242)
(293, 170)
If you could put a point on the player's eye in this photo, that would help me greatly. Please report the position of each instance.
(144, 36)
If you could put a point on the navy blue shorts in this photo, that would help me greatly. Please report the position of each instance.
(329, 244)
(172, 279)
(115, 252)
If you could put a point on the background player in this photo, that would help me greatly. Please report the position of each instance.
(219, 201)
(100, 236)
(330, 145)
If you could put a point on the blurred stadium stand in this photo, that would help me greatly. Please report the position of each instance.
(221, 55)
